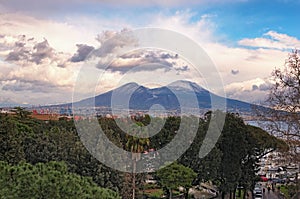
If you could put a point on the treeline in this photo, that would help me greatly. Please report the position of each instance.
(233, 162)
(53, 153)
(24, 141)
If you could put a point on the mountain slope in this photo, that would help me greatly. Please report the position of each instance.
(137, 97)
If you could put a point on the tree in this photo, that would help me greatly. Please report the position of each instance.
(34, 141)
(12, 135)
(21, 112)
(206, 167)
(258, 143)
(136, 146)
(235, 157)
(175, 175)
(284, 99)
(242, 147)
(51, 180)
(231, 143)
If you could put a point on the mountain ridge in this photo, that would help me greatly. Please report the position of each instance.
(137, 97)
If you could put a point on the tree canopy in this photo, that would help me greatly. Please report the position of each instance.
(232, 161)
(175, 175)
(50, 180)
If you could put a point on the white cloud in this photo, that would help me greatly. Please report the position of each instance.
(33, 68)
(201, 30)
(251, 63)
(26, 59)
(273, 40)
(62, 36)
(38, 84)
(254, 90)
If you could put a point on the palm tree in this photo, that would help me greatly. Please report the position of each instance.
(136, 146)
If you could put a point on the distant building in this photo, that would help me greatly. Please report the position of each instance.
(45, 117)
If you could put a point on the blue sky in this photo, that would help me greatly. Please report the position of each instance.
(246, 39)
(254, 18)
(234, 19)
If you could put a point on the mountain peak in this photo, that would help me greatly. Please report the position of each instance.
(143, 98)
(131, 86)
(186, 85)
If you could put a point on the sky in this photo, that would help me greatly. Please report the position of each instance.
(45, 45)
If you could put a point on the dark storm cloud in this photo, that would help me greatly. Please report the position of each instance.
(41, 51)
(130, 55)
(182, 68)
(168, 56)
(19, 44)
(82, 53)
(262, 87)
(35, 54)
(235, 72)
(18, 54)
(26, 51)
(114, 44)
(29, 85)
(265, 87)
(19, 51)
(162, 56)
(142, 61)
(112, 41)
(254, 87)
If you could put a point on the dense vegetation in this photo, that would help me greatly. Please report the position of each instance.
(50, 180)
(52, 154)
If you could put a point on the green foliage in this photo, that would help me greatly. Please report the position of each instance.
(156, 194)
(264, 141)
(231, 143)
(50, 180)
(175, 175)
(258, 143)
(288, 190)
(34, 141)
(207, 167)
(12, 135)
(136, 146)
(166, 134)
(21, 112)
(232, 161)
(134, 143)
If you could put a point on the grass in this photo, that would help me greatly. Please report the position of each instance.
(154, 193)
(284, 190)
(288, 190)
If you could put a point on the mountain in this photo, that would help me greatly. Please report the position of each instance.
(136, 97)
(12, 105)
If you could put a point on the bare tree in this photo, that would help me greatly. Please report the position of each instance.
(284, 99)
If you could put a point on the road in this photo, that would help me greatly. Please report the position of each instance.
(270, 195)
